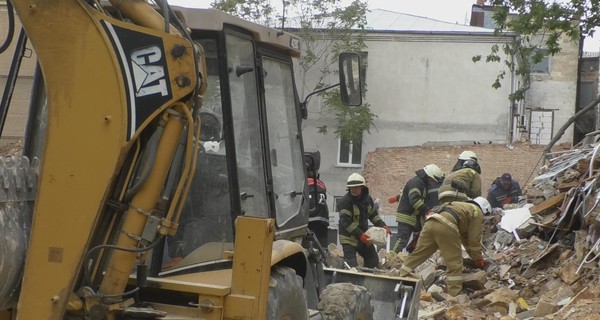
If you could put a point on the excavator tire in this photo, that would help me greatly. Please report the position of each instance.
(345, 301)
(287, 298)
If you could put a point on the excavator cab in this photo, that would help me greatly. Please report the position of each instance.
(250, 159)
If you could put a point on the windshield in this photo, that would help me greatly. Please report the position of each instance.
(284, 139)
(205, 226)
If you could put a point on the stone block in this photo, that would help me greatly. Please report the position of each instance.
(568, 273)
(526, 229)
(475, 281)
(505, 295)
(525, 314)
(544, 308)
(455, 312)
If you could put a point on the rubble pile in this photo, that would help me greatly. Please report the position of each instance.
(541, 253)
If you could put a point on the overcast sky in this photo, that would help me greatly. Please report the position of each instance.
(445, 10)
(455, 11)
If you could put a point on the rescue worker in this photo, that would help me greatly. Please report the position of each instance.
(447, 227)
(318, 220)
(430, 201)
(413, 203)
(462, 157)
(503, 191)
(355, 209)
(463, 183)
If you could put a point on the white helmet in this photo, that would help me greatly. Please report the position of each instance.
(355, 180)
(434, 172)
(483, 204)
(467, 155)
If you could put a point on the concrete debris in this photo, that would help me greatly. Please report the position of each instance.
(378, 236)
(542, 253)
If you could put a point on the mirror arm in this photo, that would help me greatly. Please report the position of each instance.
(303, 104)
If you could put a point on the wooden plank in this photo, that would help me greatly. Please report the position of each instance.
(548, 205)
(566, 186)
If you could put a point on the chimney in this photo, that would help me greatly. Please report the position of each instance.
(477, 14)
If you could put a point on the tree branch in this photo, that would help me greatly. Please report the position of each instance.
(567, 124)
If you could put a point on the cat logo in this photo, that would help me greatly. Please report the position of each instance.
(149, 77)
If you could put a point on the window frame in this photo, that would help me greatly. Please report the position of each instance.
(348, 164)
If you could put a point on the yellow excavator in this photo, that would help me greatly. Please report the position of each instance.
(162, 174)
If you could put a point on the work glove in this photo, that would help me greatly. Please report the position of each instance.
(387, 229)
(393, 199)
(479, 263)
(364, 238)
(413, 243)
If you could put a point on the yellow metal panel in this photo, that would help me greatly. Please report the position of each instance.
(251, 268)
(189, 286)
(85, 130)
(243, 307)
(216, 278)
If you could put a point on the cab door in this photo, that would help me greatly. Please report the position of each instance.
(247, 128)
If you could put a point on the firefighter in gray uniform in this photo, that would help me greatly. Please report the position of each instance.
(413, 203)
(447, 227)
(356, 209)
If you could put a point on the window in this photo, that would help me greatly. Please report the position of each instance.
(349, 153)
(544, 65)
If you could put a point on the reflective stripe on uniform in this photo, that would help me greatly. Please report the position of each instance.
(443, 220)
(377, 218)
(460, 196)
(354, 225)
(415, 193)
(349, 240)
(317, 218)
(406, 218)
(454, 278)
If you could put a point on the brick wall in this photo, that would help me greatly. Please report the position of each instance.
(387, 169)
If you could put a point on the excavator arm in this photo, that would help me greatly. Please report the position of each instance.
(118, 150)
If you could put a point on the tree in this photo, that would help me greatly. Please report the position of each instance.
(539, 26)
(327, 28)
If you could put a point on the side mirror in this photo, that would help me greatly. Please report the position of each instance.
(350, 80)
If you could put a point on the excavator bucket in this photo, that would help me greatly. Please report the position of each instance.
(391, 297)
